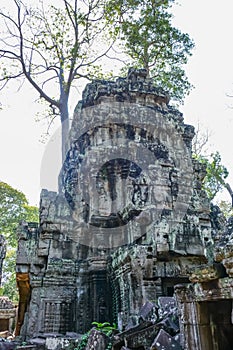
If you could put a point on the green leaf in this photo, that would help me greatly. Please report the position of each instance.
(151, 41)
(216, 174)
(14, 208)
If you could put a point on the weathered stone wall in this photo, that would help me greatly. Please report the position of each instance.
(7, 316)
(130, 220)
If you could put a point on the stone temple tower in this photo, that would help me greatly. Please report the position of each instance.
(130, 220)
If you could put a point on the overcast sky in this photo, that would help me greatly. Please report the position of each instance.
(210, 69)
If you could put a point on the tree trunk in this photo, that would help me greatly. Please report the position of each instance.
(228, 187)
(64, 115)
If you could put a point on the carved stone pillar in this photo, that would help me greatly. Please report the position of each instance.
(205, 314)
(23, 284)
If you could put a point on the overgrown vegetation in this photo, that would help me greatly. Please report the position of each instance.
(148, 37)
(14, 208)
(216, 174)
(54, 46)
(105, 328)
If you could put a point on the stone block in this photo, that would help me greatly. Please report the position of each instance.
(130, 221)
(146, 310)
(97, 341)
(7, 345)
(165, 341)
(166, 304)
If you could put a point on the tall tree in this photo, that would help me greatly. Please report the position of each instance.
(51, 47)
(226, 208)
(216, 172)
(14, 208)
(151, 41)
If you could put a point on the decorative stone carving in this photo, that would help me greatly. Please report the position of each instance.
(130, 222)
(205, 314)
(7, 315)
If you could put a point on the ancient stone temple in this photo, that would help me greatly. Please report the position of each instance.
(7, 315)
(129, 225)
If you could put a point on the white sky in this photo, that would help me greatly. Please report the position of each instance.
(210, 69)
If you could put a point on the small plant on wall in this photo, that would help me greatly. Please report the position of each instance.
(105, 328)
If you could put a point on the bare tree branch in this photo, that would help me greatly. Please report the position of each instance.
(52, 48)
(200, 140)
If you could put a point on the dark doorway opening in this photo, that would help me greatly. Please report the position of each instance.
(169, 283)
(216, 329)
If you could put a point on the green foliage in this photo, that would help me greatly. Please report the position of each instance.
(14, 208)
(105, 327)
(65, 36)
(51, 47)
(109, 346)
(83, 341)
(148, 37)
(9, 287)
(226, 208)
(216, 174)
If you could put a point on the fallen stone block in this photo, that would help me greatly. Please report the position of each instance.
(146, 310)
(165, 341)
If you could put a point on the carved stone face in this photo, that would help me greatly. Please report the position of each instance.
(126, 165)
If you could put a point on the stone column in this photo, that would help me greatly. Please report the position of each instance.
(189, 328)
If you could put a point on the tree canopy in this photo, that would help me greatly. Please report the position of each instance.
(152, 42)
(226, 208)
(52, 46)
(14, 208)
(216, 174)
